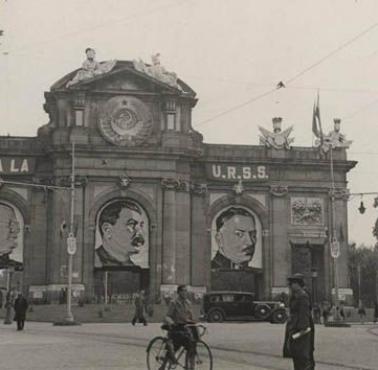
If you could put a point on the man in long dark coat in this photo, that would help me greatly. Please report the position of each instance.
(298, 336)
(20, 307)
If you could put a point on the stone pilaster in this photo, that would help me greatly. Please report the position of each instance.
(281, 255)
(170, 185)
(200, 250)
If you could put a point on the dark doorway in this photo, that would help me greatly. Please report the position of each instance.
(308, 259)
(121, 284)
(236, 280)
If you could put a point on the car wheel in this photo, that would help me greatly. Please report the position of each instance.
(215, 316)
(262, 311)
(279, 317)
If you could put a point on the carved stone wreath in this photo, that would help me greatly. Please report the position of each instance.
(125, 121)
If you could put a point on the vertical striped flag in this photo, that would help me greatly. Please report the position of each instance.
(316, 122)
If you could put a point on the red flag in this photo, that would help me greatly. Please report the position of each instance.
(316, 122)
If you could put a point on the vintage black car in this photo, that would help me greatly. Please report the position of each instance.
(240, 306)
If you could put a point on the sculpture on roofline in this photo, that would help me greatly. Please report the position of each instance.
(91, 68)
(334, 139)
(157, 71)
(277, 139)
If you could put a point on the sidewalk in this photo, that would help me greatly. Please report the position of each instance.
(236, 346)
(42, 346)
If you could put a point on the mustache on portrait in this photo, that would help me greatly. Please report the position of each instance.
(137, 240)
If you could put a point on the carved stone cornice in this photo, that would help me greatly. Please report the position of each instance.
(184, 185)
(81, 181)
(200, 189)
(279, 190)
(63, 181)
(45, 180)
(340, 194)
(170, 183)
(177, 184)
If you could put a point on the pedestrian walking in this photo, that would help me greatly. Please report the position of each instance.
(20, 307)
(361, 312)
(325, 312)
(341, 311)
(139, 309)
(312, 324)
(375, 312)
(298, 343)
(316, 311)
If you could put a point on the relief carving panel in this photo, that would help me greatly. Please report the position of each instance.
(307, 211)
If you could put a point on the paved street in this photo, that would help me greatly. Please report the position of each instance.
(121, 346)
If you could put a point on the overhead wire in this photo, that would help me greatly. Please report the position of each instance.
(284, 83)
(247, 83)
(327, 56)
(236, 107)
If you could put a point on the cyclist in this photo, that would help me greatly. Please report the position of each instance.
(180, 334)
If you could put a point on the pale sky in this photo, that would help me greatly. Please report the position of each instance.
(228, 51)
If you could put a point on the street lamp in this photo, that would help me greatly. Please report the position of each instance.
(8, 298)
(71, 240)
(362, 208)
(314, 275)
(334, 243)
(71, 248)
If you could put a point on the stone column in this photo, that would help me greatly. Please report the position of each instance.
(183, 234)
(169, 230)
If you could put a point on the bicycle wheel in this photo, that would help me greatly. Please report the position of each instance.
(157, 354)
(203, 359)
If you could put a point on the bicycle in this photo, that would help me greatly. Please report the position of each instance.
(159, 358)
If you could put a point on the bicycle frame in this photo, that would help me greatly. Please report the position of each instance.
(180, 356)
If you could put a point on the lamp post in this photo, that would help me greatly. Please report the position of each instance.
(314, 275)
(359, 283)
(8, 299)
(71, 243)
(334, 243)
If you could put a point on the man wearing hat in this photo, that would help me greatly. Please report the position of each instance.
(299, 333)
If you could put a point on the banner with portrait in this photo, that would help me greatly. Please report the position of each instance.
(122, 235)
(11, 236)
(236, 239)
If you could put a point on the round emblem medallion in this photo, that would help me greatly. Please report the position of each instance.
(125, 121)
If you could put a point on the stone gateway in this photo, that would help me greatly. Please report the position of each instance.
(155, 206)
